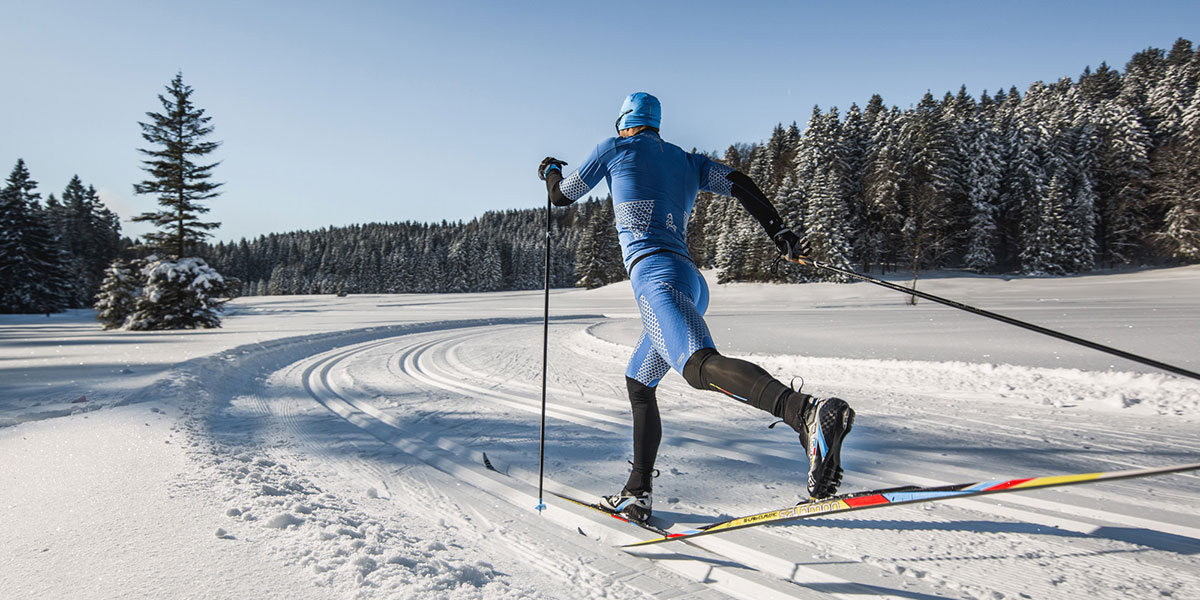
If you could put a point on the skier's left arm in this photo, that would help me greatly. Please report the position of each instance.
(565, 190)
(725, 181)
(550, 171)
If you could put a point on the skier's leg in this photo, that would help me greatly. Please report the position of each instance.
(647, 433)
(821, 423)
(707, 369)
(665, 332)
(646, 368)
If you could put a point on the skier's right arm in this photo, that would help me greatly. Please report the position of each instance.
(729, 182)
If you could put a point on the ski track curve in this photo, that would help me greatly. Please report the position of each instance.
(407, 414)
(1062, 514)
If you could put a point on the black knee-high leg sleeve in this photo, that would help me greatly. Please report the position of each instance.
(739, 379)
(647, 433)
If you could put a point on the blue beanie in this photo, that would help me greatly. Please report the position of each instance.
(639, 108)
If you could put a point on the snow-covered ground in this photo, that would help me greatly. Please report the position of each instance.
(320, 447)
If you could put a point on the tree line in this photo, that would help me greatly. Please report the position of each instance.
(498, 251)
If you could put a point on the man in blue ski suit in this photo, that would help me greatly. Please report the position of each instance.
(654, 185)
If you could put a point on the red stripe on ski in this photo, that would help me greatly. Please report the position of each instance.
(867, 500)
(1008, 484)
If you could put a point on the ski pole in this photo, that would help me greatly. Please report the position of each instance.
(545, 358)
(1004, 319)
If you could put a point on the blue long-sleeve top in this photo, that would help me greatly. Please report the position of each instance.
(654, 185)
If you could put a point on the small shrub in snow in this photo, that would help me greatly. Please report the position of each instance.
(180, 293)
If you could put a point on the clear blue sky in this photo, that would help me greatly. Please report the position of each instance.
(335, 113)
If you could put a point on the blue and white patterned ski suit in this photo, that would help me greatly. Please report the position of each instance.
(654, 185)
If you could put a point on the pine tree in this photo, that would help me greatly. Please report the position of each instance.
(1082, 215)
(34, 273)
(179, 183)
(1042, 253)
(1101, 86)
(1174, 161)
(983, 196)
(91, 236)
(883, 181)
(1122, 182)
(928, 227)
(1180, 236)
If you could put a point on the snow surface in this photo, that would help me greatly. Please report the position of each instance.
(319, 447)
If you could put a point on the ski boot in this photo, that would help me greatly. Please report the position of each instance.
(822, 425)
(635, 507)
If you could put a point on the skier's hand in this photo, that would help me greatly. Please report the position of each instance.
(792, 247)
(549, 163)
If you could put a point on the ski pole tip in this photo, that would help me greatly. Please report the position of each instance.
(541, 506)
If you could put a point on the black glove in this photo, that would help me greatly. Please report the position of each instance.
(792, 246)
(547, 164)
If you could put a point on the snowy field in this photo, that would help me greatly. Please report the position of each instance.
(324, 447)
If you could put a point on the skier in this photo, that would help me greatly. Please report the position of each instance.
(654, 185)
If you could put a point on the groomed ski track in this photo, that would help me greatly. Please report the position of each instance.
(407, 413)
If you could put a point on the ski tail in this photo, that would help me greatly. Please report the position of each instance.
(909, 495)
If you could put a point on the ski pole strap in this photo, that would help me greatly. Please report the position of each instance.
(1011, 321)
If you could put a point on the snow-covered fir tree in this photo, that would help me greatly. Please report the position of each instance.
(1042, 252)
(928, 226)
(1122, 182)
(983, 189)
(178, 294)
(883, 184)
(118, 295)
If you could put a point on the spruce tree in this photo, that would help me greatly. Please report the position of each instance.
(928, 227)
(1042, 253)
(90, 234)
(882, 184)
(34, 274)
(1180, 236)
(1122, 182)
(178, 294)
(118, 294)
(983, 196)
(179, 183)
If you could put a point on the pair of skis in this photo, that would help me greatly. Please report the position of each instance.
(880, 498)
